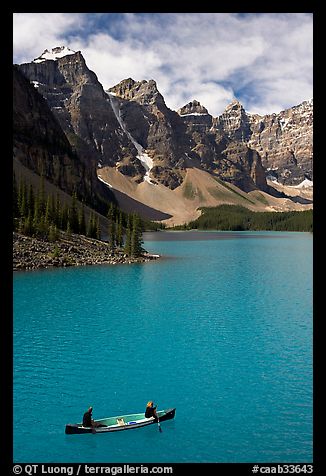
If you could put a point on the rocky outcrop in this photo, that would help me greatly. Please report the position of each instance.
(285, 143)
(70, 250)
(154, 126)
(39, 141)
(83, 109)
(193, 108)
(277, 145)
(234, 123)
(242, 166)
(218, 145)
(40, 144)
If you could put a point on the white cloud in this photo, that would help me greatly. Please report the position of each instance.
(34, 32)
(265, 60)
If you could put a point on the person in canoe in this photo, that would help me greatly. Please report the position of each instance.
(88, 420)
(150, 410)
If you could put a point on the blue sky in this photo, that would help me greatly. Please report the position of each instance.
(265, 60)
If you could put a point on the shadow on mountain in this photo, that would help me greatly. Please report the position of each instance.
(275, 193)
(303, 201)
(130, 205)
(296, 199)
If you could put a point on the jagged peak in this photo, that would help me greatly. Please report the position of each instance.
(234, 104)
(193, 108)
(54, 54)
(126, 82)
(142, 91)
(304, 105)
(150, 82)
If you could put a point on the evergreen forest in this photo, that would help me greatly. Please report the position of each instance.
(237, 218)
(42, 215)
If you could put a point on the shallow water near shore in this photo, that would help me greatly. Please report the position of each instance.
(220, 327)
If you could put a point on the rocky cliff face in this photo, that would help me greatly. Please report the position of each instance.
(189, 138)
(285, 143)
(41, 145)
(234, 123)
(193, 108)
(154, 126)
(39, 141)
(79, 102)
(219, 145)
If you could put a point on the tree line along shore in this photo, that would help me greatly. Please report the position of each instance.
(238, 218)
(48, 232)
(69, 249)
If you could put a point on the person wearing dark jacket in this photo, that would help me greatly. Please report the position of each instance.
(150, 410)
(87, 418)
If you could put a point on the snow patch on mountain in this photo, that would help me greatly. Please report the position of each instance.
(36, 84)
(194, 114)
(306, 183)
(54, 54)
(106, 183)
(144, 158)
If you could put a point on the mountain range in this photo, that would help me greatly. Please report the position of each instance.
(124, 144)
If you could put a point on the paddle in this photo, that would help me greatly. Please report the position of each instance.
(159, 425)
(158, 422)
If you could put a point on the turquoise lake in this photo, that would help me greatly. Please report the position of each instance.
(219, 327)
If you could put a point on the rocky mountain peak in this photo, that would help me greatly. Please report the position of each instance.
(144, 92)
(193, 108)
(284, 141)
(234, 121)
(54, 54)
(234, 105)
(123, 88)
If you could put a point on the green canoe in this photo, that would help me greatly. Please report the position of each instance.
(121, 422)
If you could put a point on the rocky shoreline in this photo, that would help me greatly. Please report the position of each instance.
(69, 250)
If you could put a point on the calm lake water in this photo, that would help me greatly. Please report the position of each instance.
(220, 327)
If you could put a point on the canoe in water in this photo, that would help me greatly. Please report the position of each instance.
(121, 422)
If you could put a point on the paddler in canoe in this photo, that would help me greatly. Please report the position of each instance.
(150, 410)
(88, 420)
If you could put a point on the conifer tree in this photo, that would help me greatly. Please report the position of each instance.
(111, 227)
(111, 212)
(58, 211)
(68, 229)
(136, 237)
(37, 212)
(20, 225)
(97, 228)
(28, 225)
(91, 228)
(14, 195)
(53, 233)
(82, 221)
(119, 232)
(22, 199)
(112, 235)
(15, 212)
(43, 227)
(64, 217)
(73, 215)
(53, 210)
(48, 214)
(41, 194)
(128, 235)
(30, 199)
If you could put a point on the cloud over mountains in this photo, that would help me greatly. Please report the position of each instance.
(264, 59)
